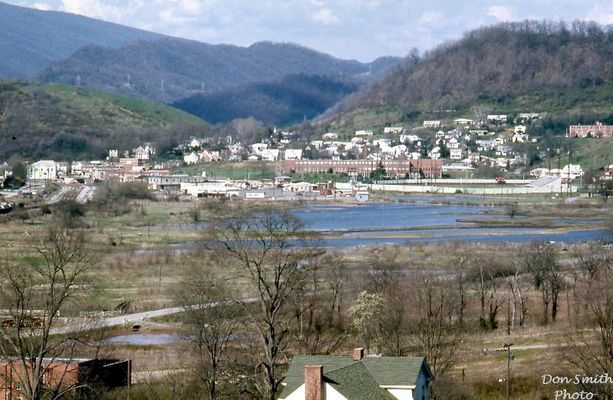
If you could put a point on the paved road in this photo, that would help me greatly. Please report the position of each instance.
(78, 193)
(128, 319)
(59, 195)
(83, 324)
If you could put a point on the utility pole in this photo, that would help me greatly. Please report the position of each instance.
(508, 347)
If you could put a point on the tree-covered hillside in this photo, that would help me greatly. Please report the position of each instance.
(171, 69)
(30, 39)
(528, 66)
(63, 122)
(280, 102)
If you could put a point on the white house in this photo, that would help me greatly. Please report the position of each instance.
(304, 187)
(519, 129)
(571, 171)
(408, 138)
(435, 153)
(453, 143)
(293, 154)
(497, 118)
(519, 137)
(270, 155)
(463, 121)
(456, 153)
(499, 141)
(393, 130)
(357, 377)
(258, 148)
(318, 144)
(363, 133)
(432, 124)
(44, 169)
(330, 136)
(191, 158)
(144, 152)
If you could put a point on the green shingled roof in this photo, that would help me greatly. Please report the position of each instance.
(381, 371)
(354, 382)
(389, 371)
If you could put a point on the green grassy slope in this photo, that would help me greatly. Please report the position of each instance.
(68, 122)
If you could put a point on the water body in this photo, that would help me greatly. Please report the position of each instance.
(155, 339)
(145, 339)
(397, 223)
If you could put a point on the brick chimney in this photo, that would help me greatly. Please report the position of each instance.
(358, 353)
(313, 382)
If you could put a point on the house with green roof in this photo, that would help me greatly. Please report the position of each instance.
(357, 378)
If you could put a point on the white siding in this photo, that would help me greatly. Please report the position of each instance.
(329, 394)
(401, 394)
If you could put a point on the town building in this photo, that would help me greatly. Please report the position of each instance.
(463, 122)
(357, 377)
(43, 170)
(423, 168)
(432, 124)
(497, 118)
(65, 374)
(598, 130)
(393, 130)
(293, 154)
(330, 136)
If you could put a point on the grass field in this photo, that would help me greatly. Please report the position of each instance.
(592, 153)
(235, 170)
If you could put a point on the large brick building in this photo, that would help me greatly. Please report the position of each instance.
(598, 130)
(398, 168)
(80, 374)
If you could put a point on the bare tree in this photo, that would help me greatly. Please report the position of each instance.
(519, 289)
(431, 322)
(592, 350)
(212, 319)
(541, 261)
(385, 277)
(461, 288)
(274, 256)
(335, 278)
(315, 311)
(484, 277)
(32, 294)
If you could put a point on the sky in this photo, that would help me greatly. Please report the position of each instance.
(350, 29)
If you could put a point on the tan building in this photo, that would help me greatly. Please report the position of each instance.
(598, 130)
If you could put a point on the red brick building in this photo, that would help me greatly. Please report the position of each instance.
(598, 130)
(398, 168)
(62, 373)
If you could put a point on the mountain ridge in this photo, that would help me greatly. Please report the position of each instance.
(33, 38)
(170, 69)
(277, 102)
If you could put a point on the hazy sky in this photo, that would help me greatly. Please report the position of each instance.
(360, 29)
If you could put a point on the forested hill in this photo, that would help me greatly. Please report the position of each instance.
(66, 123)
(279, 102)
(538, 64)
(171, 69)
(30, 39)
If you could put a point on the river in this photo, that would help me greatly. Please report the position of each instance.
(396, 223)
